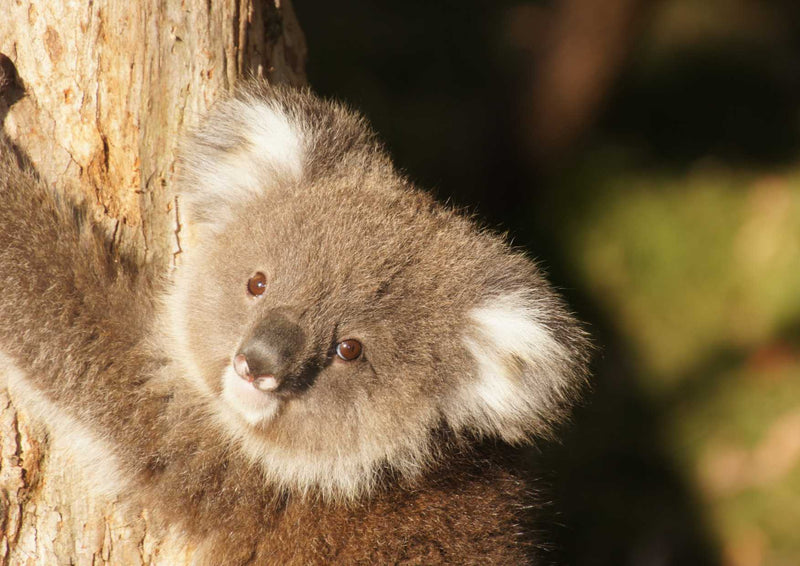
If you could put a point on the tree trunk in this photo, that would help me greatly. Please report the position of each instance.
(102, 91)
(576, 49)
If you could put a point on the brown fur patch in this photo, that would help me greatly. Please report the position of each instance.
(372, 460)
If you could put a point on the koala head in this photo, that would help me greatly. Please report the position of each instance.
(337, 318)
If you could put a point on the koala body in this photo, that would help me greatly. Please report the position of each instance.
(327, 376)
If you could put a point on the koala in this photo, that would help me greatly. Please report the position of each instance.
(334, 372)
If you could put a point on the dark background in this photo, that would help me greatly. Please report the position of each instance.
(647, 154)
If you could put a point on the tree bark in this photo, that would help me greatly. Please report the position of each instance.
(101, 93)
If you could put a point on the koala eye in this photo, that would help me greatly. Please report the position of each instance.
(348, 350)
(257, 284)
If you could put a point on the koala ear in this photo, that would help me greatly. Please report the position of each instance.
(248, 144)
(529, 361)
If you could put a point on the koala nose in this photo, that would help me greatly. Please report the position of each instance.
(271, 352)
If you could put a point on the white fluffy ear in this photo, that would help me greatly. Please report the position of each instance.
(246, 146)
(527, 364)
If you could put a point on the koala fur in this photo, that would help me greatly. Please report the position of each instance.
(394, 457)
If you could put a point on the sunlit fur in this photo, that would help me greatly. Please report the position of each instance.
(508, 371)
(372, 460)
(83, 446)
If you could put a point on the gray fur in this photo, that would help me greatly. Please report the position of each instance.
(375, 460)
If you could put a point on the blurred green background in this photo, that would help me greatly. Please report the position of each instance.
(648, 153)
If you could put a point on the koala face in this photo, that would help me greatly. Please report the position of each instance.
(337, 317)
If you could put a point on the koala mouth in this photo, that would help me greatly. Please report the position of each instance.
(256, 406)
(264, 382)
(257, 394)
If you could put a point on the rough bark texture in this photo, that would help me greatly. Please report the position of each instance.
(105, 89)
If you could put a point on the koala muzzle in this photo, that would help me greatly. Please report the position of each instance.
(271, 356)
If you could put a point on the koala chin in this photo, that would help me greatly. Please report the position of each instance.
(332, 372)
